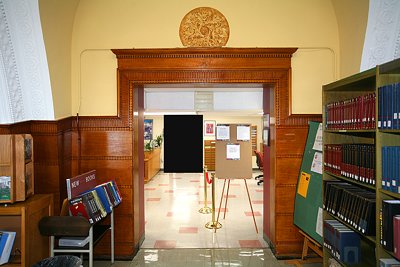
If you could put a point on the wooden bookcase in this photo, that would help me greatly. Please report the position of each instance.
(23, 217)
(209, 154)
(357, 85)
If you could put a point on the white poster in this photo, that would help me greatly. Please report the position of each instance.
(318, 225)
(223, 132)
(243, 133)
(233, 151)
(316, 165)
(318, 139)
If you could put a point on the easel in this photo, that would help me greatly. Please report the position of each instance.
(308, 243)
(226, 201)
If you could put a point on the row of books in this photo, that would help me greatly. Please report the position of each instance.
(342, 242)
(96, 203)
(355, 161)
(389, 106)
(6, 244)
(390, 226)
(353, 205)
(391, 168)
(354, 113)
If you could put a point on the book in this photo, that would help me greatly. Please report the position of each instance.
(390, 208)
(76, 241)
(78, 208)
(104, 198)
(396, 236)
(5, 187)
(3, 239)
(347, 246)
(389, 262)
(5, 256)
(81, 183)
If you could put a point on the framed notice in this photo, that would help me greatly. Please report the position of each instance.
(209, 128)
(148, 129)
(233, 151)
(243, 133)
(223, 132)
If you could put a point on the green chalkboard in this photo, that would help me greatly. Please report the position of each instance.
(308, 200)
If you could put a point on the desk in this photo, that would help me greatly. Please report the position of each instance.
(151, 163)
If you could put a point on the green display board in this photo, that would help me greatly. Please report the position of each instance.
(308, 200)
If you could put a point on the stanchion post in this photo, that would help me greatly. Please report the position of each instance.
(205, 209)
(213, 224)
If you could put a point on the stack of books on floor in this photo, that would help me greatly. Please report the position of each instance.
(6, 244)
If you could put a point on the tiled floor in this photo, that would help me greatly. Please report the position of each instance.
(173, 219)
(175, 233)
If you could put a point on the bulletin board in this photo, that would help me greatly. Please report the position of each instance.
(233, 155)
(308, 199)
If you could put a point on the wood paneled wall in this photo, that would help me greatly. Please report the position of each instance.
(114, 145)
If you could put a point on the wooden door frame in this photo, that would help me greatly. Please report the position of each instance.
(270, 67)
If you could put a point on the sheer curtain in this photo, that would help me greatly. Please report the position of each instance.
(382, 39)
(25, 90)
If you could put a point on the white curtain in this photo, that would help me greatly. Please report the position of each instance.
(25, 90)
(382, 39)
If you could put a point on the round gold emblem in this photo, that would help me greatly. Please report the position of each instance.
(204, 27)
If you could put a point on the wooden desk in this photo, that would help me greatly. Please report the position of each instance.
(151, 163)
(23, 217)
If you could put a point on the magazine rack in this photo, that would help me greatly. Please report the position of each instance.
(75, 226)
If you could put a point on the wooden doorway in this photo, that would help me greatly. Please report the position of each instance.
(268, 66)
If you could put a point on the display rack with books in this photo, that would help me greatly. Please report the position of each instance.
(361, 162)
(89, 200)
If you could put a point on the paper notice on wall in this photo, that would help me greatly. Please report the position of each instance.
(316, 165)
(318, 139)
(233, 151)
(223, 132)
(243, 133)
(303, 184)
(318, 225)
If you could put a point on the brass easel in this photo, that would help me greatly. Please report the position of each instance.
(226, 201)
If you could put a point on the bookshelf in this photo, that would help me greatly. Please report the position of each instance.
(350, 123)
(23, 218)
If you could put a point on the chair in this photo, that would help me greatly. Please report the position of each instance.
(74, 226)
(260, 164)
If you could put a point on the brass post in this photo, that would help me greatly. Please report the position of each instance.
(213, 224)
(205, 209)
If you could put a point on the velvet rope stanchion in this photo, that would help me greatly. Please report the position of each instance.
(213, 224)
(205, 209)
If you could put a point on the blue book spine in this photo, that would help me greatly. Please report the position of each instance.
(104, 199)
(384, 149)
(392, 174)
(390, 99)
(3, 240)
(348, 246)
(398, 106)
(397, 167)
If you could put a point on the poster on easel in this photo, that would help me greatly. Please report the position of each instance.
(233, 157)
(308, 198)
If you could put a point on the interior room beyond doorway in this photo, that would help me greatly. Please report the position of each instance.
(174, 199)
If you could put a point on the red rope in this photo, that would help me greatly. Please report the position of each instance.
(209, 181)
